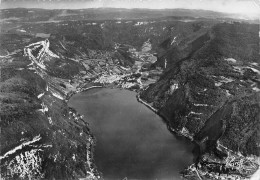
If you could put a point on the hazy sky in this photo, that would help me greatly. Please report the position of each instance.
(233, 6)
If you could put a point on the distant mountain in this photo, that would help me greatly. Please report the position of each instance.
(32, 15)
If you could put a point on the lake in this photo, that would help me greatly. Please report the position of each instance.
(132, 141)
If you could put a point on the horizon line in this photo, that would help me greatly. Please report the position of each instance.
(254, 16)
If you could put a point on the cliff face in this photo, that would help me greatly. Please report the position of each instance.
(214, 93)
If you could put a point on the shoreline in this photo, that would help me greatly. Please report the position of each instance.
(198, 172)
(70, 94)
(183, 132)
(94, 173)
(90, 148)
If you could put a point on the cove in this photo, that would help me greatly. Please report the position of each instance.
(131, 140)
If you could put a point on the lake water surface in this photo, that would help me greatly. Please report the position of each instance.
(132, 141)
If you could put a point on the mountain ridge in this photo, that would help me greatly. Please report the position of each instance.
(201, 94)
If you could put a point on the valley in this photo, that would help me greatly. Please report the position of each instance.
(201, 75)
